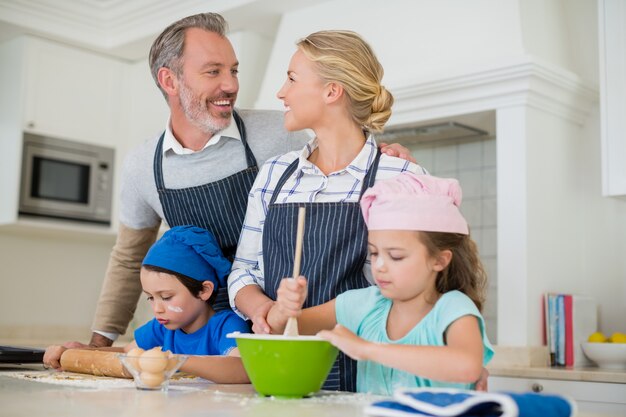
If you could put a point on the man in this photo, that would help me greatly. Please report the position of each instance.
(199, 171)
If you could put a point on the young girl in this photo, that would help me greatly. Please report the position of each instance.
(180, 276)
(421, 324)
(333, 87)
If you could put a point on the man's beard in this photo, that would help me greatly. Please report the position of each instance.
(197, 111)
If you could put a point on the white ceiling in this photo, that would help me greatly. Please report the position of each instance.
(126, 28)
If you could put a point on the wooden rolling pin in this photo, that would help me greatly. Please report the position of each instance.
(94, 362)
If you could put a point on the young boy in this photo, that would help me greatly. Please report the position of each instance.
(180, 276)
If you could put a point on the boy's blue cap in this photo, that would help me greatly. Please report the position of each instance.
(190, 251)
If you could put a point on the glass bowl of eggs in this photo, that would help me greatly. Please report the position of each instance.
(152, 369)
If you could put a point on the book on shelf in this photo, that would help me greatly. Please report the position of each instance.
(569, 320)
(560, 330)
(569, 329)
(550, 313)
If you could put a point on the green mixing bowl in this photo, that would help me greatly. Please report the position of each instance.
(284, 366)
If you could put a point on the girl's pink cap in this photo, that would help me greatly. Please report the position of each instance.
(414, 202)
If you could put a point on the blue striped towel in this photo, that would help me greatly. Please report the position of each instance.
(442, 402)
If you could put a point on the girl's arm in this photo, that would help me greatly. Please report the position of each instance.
(291, 295)
(219, 369)
(461, 360)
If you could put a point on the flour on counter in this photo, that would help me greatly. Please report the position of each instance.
(183, 381)
(344, 397)
(327, 397)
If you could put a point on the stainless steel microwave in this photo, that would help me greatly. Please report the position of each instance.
(66, 179)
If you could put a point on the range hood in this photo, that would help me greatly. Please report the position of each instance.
(449, 130)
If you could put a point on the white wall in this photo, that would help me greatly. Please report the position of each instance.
(555, 204)
(414, 39)
(145, 116)
(49, 286)
(253, 53)
(544, 30)
(602, 235)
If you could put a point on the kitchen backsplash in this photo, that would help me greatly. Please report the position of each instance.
(474, 165)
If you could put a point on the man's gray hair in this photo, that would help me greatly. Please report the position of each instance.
(167, 49)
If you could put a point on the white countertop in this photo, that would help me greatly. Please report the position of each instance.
(531, 362)
(87, 396)
(590, 374)
(31, 398)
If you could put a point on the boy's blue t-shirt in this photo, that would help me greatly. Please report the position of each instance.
(209, 340)
(365, 311)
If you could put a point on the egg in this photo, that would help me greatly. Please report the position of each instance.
(133, 357)
(153, 360)
(151, 379)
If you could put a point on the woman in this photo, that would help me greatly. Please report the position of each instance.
(333, 87)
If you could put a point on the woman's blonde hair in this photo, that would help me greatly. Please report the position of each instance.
(344, 57)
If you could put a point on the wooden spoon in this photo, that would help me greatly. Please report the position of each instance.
(291, 329)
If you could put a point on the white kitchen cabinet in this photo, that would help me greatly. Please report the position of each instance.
(71, 93)
(54, 90)
(591, 397)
